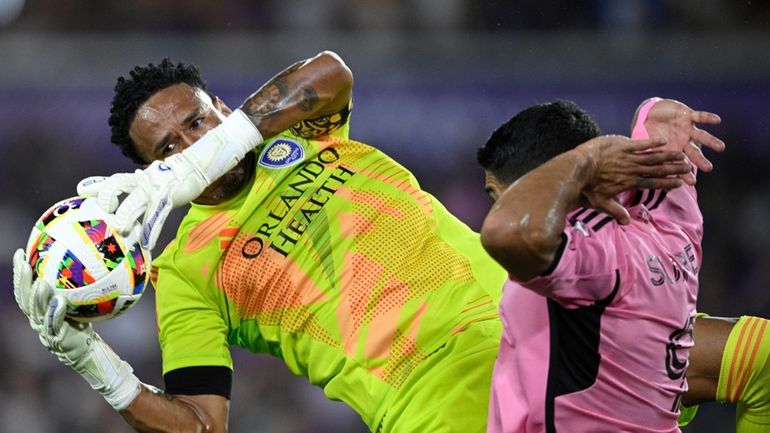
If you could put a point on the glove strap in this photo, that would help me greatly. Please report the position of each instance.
(109, 375)
(124, 390)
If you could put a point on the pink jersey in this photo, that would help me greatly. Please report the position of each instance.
(601, 342)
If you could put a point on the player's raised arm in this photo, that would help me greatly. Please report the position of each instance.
(306, 90)
(677, 123)
(523, 230)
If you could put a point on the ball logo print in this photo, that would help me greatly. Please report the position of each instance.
(100, 273)
(92, 180)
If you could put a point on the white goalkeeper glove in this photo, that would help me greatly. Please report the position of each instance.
(175, 181)
(75, 344)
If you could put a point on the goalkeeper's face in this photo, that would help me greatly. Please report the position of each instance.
(173, 119)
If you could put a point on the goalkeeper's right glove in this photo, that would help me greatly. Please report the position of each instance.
(175, 181)
(75, 344)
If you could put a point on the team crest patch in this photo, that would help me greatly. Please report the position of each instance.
(281, 153)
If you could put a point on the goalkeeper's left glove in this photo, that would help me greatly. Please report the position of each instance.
(76, 345)
(175, 181)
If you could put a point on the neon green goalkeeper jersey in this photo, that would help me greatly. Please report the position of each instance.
(332, 259)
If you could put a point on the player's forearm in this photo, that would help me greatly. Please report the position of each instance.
(306, 90)
(154, 411)
(523, 229)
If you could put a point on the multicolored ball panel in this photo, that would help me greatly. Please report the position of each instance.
(138, 268)
(39, 253)
(90, 311)
(58, 210)
(98, 271)
(105, 242)
(72, 273)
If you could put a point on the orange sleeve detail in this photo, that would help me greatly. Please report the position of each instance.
(206, 231)
(752, 343)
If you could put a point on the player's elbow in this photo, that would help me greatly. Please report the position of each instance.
(336, 70)
(525, 252)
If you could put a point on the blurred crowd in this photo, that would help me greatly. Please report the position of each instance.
(52, 136)
(379, 15)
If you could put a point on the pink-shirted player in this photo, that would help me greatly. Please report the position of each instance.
(603, 261)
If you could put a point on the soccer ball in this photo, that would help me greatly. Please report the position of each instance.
(99, 272)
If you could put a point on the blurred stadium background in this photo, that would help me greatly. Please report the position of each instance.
(433, 78)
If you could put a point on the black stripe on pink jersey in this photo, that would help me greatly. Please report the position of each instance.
(651, 198)
(556, 256)
(574, 346)
(575, 217)
(650, 195)
(602, 223)
(661, 196)
(590, 217)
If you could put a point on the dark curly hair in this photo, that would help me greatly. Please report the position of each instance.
(534, 136)
(138, 87)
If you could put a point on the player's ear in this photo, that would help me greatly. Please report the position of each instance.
(220, 105)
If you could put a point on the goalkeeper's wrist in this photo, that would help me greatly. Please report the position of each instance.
(640, 132)
(124, 391)
(109, 375)
(220, 149)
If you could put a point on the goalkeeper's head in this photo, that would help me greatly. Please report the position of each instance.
(531, 138)
(130, 102)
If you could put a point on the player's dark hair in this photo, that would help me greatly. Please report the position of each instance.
(132, 91)
(534, 136)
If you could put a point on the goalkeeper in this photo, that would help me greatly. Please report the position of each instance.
(308, 246)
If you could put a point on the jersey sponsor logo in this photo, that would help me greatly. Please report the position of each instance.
(252, 248)
(310, 187)
(281, 153)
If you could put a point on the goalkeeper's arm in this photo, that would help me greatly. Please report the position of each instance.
(307, 90)
(155, 411)
(78, 346)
